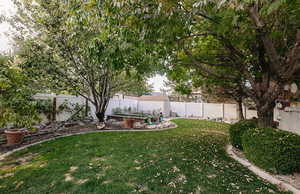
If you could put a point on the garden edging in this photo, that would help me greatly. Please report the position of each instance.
(2, 156)
(261, 173)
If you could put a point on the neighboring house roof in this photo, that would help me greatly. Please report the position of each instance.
(131, 97)
(154, 98)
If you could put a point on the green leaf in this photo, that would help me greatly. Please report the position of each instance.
(275, 6)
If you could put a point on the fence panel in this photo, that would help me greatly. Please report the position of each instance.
(128, 103)
(179, 108)
(230, 112)
(289, 120)
(150, 106)
(69, 101)
(194, 109)
(212, 110)
(250, 114)
(183, 109)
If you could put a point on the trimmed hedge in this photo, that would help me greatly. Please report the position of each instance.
(274, 150)
(237, 130)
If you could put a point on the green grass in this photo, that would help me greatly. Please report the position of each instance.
(188, 159)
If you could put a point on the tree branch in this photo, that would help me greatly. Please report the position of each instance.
(263, 35)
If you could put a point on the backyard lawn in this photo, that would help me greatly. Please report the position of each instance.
(188, 159)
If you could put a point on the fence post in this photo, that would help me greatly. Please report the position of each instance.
(203, 109)
(185, 108)
(54, 109)
(223, 111)
(245, 112)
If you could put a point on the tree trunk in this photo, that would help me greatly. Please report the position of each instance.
(53, 116)
(239, 107)
(266, 115)
(101, 109)
(86, 114)
(100, 115)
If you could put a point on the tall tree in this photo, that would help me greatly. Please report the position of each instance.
(256, 42)
(83, 47)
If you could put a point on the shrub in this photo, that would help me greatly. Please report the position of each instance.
(273, 150)
(237, 130)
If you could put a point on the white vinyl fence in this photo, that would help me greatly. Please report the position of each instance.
(181, 109)
(69, 100)
(288, 120)
(209, 110)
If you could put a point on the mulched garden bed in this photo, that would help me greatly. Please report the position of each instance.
(48, 134)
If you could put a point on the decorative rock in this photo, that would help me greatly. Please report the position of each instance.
(151, 126)
(100, 126)
(81, 123)
(165, 124)
(139, 125)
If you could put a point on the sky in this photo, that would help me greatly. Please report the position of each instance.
(157, 82)
(6, 7)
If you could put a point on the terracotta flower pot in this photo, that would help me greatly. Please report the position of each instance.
(128, 123)
(14, 137)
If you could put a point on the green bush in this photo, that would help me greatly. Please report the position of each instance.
(274, 150)
(237, 130)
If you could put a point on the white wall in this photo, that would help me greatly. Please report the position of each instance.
(289, 120)
(187, 109)
(179, 108)
(212, 110)
(166, 108)
(121, 103)
(194, 109)
(230, 112)
(183, 109)
(61, 99)
(249, 114)
(150, 106)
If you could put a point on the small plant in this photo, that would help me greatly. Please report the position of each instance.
(65, 107)
(19, 113)
(17, 105)
(80, 111)
(117, 110)
(45, 106)
(126, 110)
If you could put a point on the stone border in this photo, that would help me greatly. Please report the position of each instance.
(2, 156)
(261, 173)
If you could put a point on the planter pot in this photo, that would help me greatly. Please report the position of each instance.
(128, 123)
(14, 137)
